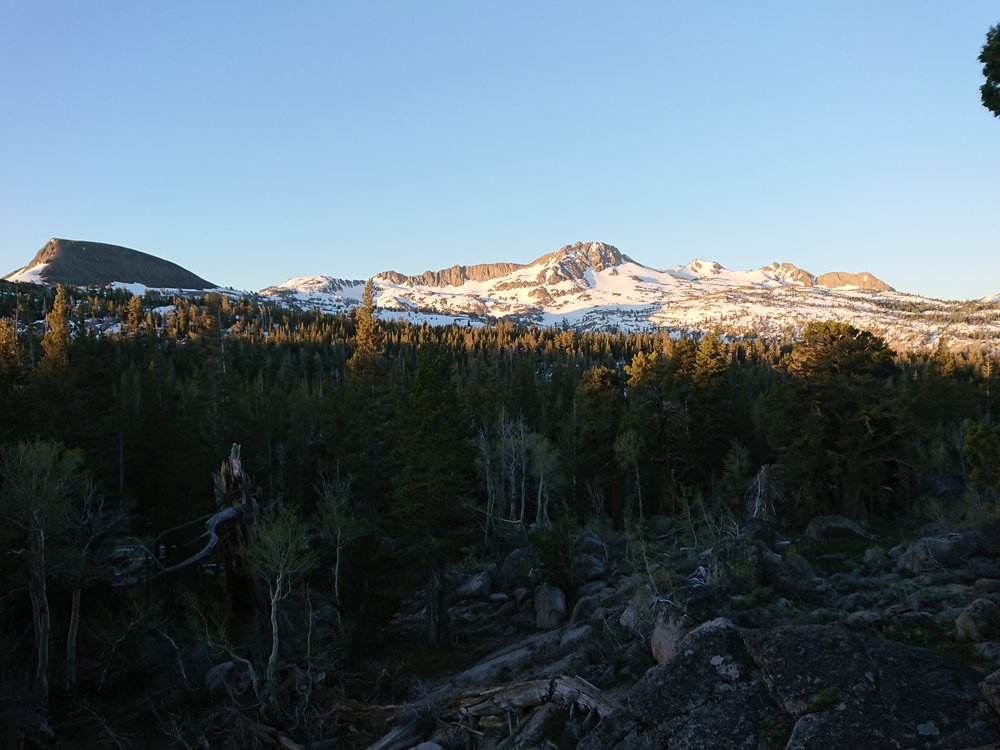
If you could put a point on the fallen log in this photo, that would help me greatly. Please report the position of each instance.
(407, 723)
(566, 691)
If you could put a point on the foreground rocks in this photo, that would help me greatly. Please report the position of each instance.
(811, 686)
(759, 641)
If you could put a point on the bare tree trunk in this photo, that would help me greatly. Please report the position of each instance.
(272, 659)
(336, 571)
(541, 512)
(436, 602)
(40, 615)
(74, 627)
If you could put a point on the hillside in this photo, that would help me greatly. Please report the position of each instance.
(82, 263)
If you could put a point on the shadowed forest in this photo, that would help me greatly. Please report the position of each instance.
(194, 482)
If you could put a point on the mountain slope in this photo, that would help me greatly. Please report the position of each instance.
(594, 285)
(81, 263)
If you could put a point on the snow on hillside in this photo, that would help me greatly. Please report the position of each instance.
(29, 274)
(593, 286)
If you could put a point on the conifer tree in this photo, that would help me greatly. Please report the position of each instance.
(55, 342)
(431, 514)
(367, 336)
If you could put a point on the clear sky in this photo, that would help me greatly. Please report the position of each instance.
(254, 141)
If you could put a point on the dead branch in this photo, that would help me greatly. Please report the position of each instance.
(468, 708)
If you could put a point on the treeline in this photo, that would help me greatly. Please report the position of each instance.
(399, 449)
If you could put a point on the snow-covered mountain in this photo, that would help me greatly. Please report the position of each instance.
(594, 286)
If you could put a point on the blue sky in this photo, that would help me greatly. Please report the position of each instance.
(250, 142)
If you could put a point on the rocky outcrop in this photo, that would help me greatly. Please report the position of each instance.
(80, 263)
(840, 280)
(571, 262)
(454, 275)
(812, 686)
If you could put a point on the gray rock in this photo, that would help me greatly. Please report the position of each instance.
(858, 724)
(980, 621)
(864, 619)
(876, 560)
(982, 567)
(711, 661)
(706, 603)
(934, 552)
(911, 623)
(550, 607)
(989, 651)
(476, 586)
(801, 687)
(630, 619)
(669, 631)
(590, 589)
(226, 679)
(808, 666)
(823, 528)
(991, 691)
(948, 696)
(583, 610)
(987, 585)
(516, 567)
(732, 722)
(588, 568)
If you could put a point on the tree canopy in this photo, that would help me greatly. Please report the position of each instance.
(990, 58)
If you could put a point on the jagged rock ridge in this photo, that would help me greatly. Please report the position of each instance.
(82, 263)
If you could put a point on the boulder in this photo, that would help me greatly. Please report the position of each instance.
(226, 679)
(934, 552)
(824, 528)
(630, 619)
(550, 607)
(989, 652)
(987, 585)
(801, 687)
(516, 568)
(978, 622)
(705, 603)
(810, 666)
(667, 634)
(710, 661)
(931, 701)
(876, 561)
(476, 586)
(588, 568)
(991, 691)
(857, 724)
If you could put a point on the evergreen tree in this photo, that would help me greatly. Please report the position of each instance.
(55, 342)
(431, 511)
(990, 58)
(367, 336)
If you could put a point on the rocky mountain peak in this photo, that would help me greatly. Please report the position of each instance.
(452, 276)
(596, 255)
(83, 263)
(864, 281)
(791, 272)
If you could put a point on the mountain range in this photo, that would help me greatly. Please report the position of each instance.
(589, 286)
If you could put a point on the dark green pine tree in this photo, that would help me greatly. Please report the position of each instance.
(838, 424)
(990, 58)
(431, 516)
